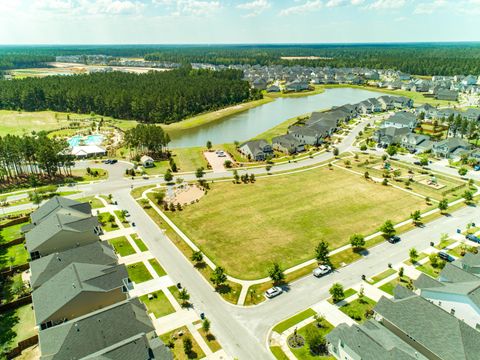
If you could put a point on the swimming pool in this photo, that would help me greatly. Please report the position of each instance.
(77, 140)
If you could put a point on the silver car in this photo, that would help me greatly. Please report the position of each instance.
(272, 292)
(321, 270)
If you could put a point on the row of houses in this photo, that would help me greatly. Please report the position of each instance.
(440, 320)
(80, 291)
(320, 126)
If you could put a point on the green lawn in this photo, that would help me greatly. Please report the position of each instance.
(122, 246)
(390, 286)
(160, 168)
(82, 175)
(347, 293)
(303, 353)
(138, 273)
(357, 308)
(11, 233)
(157, 267)
(189, 159)
(286, 324)
(177, 341)
(420, 257)
(107, 221)
(94, 202)
(383, 275)
(278, 353)
(283, 218)
(141, 245)
(13, 256)
(122, 218)
(11, 288)
(159, 305)
(444, 243)
(138, 191)
(16, 325)
(176, 293)
(428, 269)
(211, 340)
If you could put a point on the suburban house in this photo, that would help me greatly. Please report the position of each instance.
(401, 119)
(307, 135)
(288, 144)
(273, 88)
(457, 289)
(297, 85)
(412, 141)
(84, 151)
(147, 161)
(257, 150)
(448, 95)
(371, 341)
(386, 102)
(44, 268)
(120, 331)
(62, 230)
(428, 110)
(79, 289)
(259, 84)
(390, 135)
(450, 147)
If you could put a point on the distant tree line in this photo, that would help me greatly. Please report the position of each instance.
(418, 59)
(156, 97)
(31, 158)
(15, 61)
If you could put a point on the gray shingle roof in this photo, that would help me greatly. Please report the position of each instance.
(454, 272)
(114, 332)
(74, 279)
(372, 341)
(46, 267)
(56, 203)
(431, 327)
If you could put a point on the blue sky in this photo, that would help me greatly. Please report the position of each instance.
(236, 21)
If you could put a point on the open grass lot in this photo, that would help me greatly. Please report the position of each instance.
(16, 325)
(174, 338)
(383, 275)
(286, 324)
(244, 228)
(122, 246)
(11, 233)
(158, 305)
(189, 159)
(304, 353)
(138, 273)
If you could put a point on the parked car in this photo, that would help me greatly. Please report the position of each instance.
(145, 177)
(272, 292)
(106, 161)
(417, 163)
(444, 256)
(321, 270)
(393, 239)
(476, 167)
(113, 161)
(474, 238)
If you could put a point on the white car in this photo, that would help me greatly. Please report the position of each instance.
(272, 292)
(321, 270)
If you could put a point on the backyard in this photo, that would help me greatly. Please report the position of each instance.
(283, 218)
(16, 325)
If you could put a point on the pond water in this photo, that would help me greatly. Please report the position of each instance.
(250, 123)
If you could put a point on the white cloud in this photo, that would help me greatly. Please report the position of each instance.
(386, 4)
(87, 7)
(357, 2)
(190, 7)
(429, 7)
(255, 7)
(310, 5)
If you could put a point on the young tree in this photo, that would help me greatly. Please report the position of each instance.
(168, 177)
(416, 217)
(385, 182)
(276, 274)
(413, 253)
(197, 256)
(321, 252)
(316, 342)
(443, 205)
(400, 272)
(206, 326)
(252, 178)
(391, 150)
(236, 177)
(387, 229)
(184, 296)
(462, 171)
(363, 147)
(159, 197)
(468, 196)
(336, 152)
(337, 292)
(199, 173)
(187, 346)
(366, 175)
(357, 241)
(433, 259)
(209, 145)
(218, 276)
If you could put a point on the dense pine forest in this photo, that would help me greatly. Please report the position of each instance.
(8, 62)
(156, 97)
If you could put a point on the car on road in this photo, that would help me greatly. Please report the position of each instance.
(106, 161)
(444, 256)
(321, 270)
(113, 161)
(393, 239)
(472, 237)
(417, 163)
(272, 292)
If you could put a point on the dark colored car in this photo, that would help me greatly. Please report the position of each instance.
(393, 239)
(444, 256)
(113, 161)
(417, 163)
(474, 238)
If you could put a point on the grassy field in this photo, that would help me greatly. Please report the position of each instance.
(280, 129)
(141, 245)
(318, 90)
(157, 267)
(16, 325)
(209, 117)
(11, 233)
(122, 246)
(189, 159)
(13, 256)
(283, 218)
(159, 305)
(139, 273)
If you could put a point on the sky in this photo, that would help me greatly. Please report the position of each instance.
(236, 21)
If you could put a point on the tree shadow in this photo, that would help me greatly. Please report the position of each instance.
(200, 265)
(361, 251)
(7, 321)
(223, 289)
(192, 355)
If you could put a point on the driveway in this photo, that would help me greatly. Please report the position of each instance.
(216, 161)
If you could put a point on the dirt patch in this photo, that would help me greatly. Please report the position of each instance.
(187, 195)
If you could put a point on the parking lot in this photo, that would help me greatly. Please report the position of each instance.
(217, 159)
